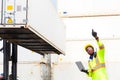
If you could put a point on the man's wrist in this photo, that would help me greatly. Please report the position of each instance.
(97, 38)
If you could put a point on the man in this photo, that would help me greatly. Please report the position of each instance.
(96, 64)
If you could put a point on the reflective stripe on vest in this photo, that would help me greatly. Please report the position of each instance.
(98, 65)
(101, 65)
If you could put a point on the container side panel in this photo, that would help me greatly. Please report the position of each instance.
(0, 11)
(45, 20)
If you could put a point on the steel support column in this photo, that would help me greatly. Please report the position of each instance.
(14, 61)
(6, 58)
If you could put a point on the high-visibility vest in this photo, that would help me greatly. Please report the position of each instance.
(96, 66)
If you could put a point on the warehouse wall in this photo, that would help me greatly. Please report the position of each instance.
(78, 33)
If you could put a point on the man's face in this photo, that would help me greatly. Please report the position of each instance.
(90, 50)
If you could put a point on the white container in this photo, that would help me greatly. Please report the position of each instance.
(38, 16)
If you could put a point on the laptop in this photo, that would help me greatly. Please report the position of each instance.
(80, 65)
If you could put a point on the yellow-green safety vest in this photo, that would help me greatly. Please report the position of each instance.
(96, 66)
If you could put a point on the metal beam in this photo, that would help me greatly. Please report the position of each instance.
(89, 15)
